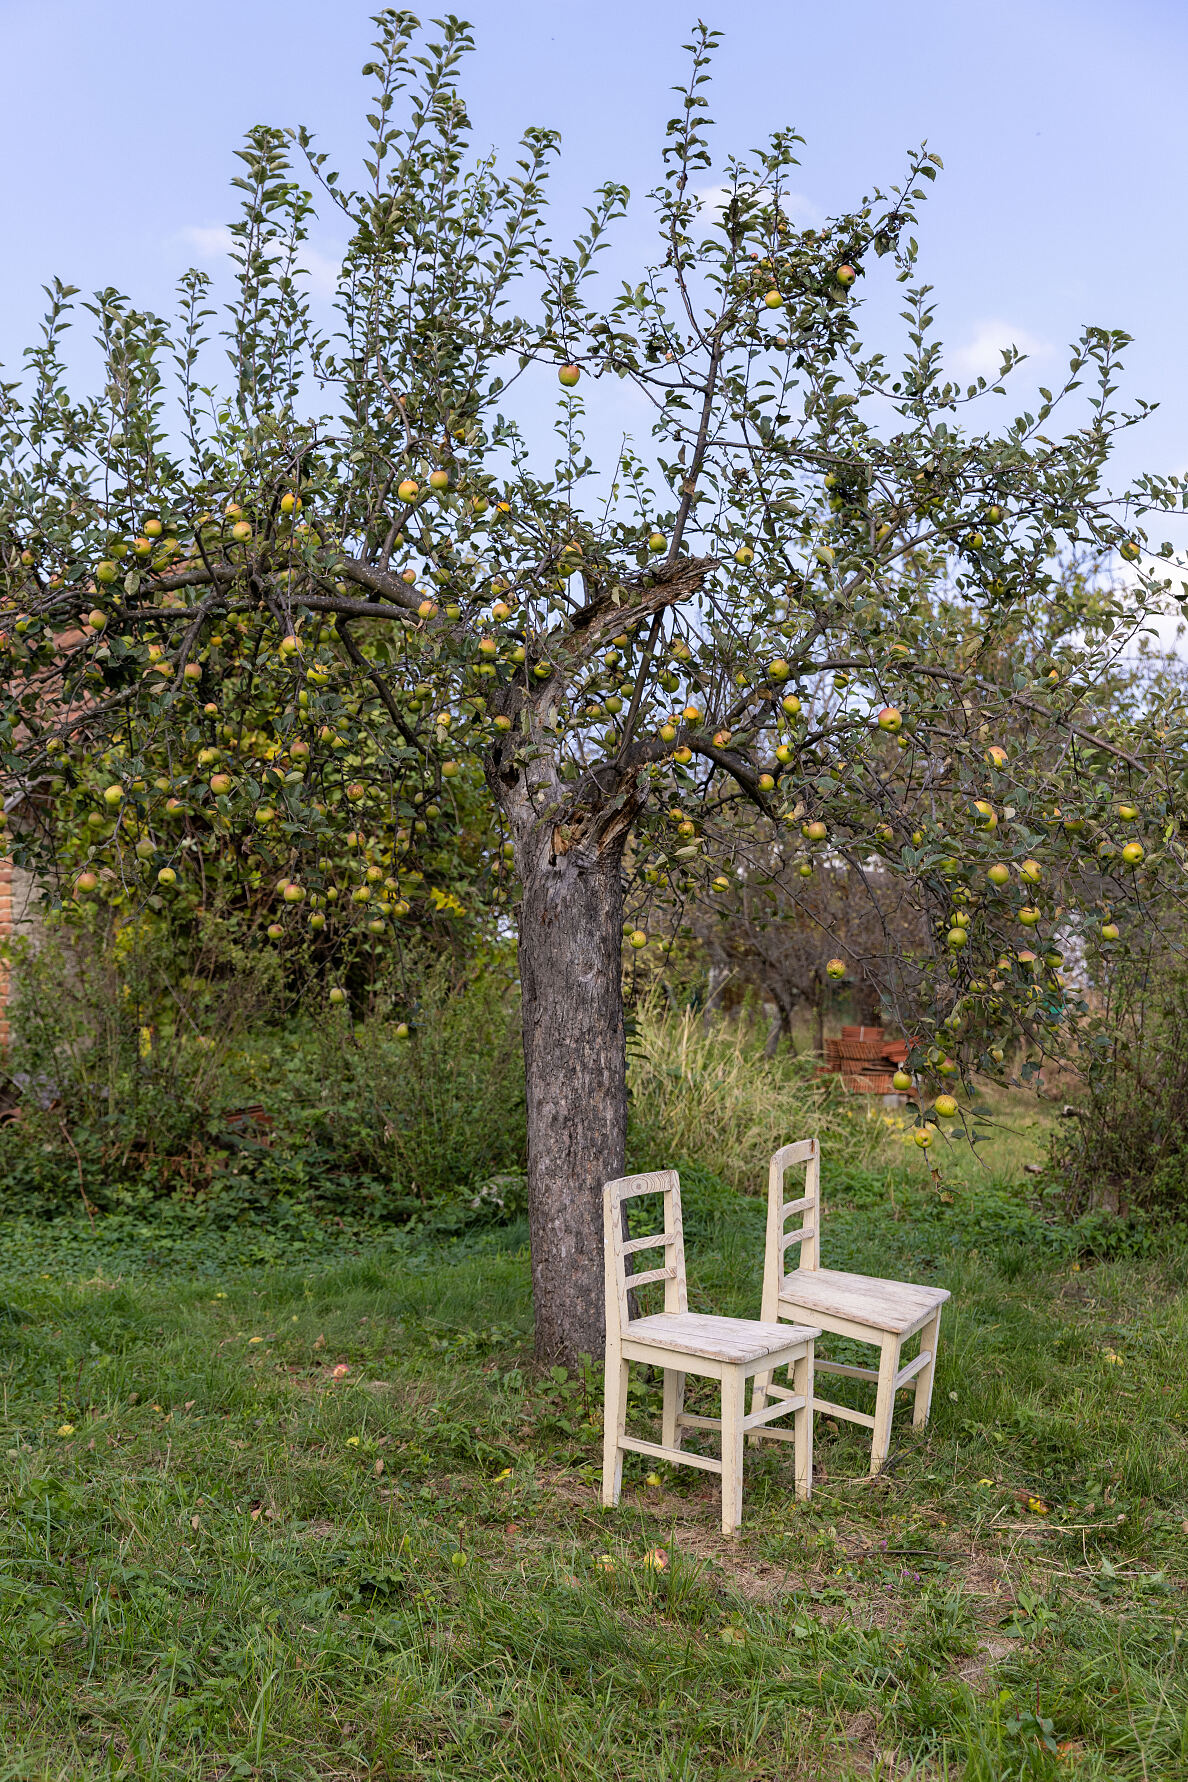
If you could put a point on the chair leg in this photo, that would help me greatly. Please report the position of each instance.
(922, 1404)
(884, 1403)
(674, 1404)
(733, 1394)
(614, 1424)
(802, 1423)
(759, 1386)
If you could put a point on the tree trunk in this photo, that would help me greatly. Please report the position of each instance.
(571, 936)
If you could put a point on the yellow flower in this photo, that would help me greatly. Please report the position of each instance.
(66, 1429)
(1114, 1359)
(505, 1474)
(352, 1441)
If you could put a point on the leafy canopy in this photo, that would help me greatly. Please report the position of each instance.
(826, 612)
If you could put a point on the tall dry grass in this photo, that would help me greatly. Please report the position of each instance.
(708, 1095)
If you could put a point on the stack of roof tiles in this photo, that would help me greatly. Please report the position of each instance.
(865, 1059)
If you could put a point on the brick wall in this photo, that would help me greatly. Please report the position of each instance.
(20, 917)
(5, 935)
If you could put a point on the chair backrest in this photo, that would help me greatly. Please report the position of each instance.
(805, 1237)
(618, 1246)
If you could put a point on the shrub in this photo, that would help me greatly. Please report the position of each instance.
(1125, 1147)
(439, 1112)
(143, 1070)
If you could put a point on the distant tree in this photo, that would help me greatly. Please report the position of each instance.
(353, 543)
(777, 934)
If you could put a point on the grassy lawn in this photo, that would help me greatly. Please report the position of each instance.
(302, 1507)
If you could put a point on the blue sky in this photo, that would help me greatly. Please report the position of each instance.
(1061, 200)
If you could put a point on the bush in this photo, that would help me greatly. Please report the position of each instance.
(1124, 1149)
(141, 1073)
(439, 1112)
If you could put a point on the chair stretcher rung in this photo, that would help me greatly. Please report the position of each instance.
(647, 1243)
(913, 1368)
(774, 1435)
(850, 1370)
(656, 1451)
(784, 1408)
(651, 1274)
(824, 1404)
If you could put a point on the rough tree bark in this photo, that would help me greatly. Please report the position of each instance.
(571, 936)
(575, 1053)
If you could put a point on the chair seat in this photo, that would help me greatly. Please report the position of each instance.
(894, 1306)
(717, 1339)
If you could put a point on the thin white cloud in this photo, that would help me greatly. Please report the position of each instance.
(208, 243)
(981, 356)
(796, 207)
(214, 243)
(1167, 625)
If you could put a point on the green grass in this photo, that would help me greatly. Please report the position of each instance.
(220, 1560)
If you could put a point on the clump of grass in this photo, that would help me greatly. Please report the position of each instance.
(706, 1092)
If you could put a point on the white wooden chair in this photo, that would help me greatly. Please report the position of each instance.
(882, 1313)
(682, 1342)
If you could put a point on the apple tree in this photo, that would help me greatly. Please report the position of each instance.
(361, 547)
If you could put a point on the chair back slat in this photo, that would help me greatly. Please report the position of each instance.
(798, 1206)
(797, 1237)
(651, 1274)
(618, 1247)
(804, 1154)
(632, 1246)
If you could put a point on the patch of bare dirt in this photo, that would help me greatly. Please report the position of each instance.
(316, 1531)
(989, 1653)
